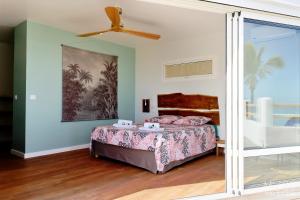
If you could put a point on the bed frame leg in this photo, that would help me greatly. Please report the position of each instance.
(93, 153)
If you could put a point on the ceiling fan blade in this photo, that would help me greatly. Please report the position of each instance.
(93, 33)
(141, 34)
(113, 14)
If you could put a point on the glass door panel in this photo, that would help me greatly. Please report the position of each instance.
(269, 101)
(271, 169)
(271, 85)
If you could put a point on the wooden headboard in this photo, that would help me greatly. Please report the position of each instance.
(189, 105)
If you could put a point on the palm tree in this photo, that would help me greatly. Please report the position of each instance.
(106, 91)
(256, 69)
(73, 90)
(85, 76)
(74, 68)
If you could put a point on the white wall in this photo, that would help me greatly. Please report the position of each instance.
(149, 71)
(6, 69)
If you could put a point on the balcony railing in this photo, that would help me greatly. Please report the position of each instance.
(252, 109)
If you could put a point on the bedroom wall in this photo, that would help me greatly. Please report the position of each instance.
(44, 129)
(149, 71)
(19, 87)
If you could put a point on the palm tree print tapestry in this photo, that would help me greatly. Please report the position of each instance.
(90, 83)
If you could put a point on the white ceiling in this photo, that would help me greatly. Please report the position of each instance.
(81, 16)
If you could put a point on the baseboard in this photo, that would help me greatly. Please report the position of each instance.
(17, 153)
(48, 152)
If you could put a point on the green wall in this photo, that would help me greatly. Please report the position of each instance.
(44, 129)
(19, 87)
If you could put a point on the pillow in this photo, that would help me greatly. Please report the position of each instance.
(164, 119)
(192, 120)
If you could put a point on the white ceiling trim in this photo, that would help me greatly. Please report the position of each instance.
(284, 3)
(194, 5)
(285, 7)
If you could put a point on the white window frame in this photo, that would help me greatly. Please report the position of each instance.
(240, 139)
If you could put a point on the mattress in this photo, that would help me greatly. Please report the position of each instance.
(175, 143)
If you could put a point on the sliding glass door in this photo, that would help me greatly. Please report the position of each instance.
(268, 71)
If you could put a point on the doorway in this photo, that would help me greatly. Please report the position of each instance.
(6, 88)
(266, 101)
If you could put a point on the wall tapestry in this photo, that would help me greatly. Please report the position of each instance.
(90, 83)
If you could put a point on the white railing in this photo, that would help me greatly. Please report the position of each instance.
(260, 129)
(250, 114)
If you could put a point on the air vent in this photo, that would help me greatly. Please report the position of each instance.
(202, 68)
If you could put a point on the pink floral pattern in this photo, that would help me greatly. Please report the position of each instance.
(192, 120)
(164, 119)
(174, 143)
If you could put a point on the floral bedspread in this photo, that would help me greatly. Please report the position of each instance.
(174, 143)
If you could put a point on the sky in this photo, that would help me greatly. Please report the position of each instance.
(283, 85)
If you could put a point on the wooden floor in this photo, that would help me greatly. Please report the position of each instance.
(75, 175)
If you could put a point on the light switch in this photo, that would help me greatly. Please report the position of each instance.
(16, 97)
(32, 97)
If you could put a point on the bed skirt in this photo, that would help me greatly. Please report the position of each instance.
(140, 158)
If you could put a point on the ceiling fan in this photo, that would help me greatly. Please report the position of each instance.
(114, 14)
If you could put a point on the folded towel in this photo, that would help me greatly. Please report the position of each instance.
(124, 126)
(151, 125)
(124, 122)
(151, 129)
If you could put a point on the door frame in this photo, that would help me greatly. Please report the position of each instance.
(241, 153)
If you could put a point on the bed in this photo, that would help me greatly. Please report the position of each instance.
(159, 152)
